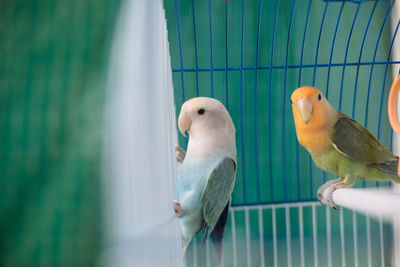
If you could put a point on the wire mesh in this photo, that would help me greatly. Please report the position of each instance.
(251, 54)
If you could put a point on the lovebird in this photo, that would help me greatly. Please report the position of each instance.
(338, 144)
(206, 175)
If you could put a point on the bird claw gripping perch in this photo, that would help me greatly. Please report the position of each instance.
(178, 208)
(180, 156)
(323, 188)
(332, 188)
(332, 185)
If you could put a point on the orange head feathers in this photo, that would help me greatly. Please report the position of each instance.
(313, 117)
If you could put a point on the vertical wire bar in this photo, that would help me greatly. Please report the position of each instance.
(332, 48)
(181, 57)
(288, 238)
(368, 241)
(373, 63)
(208, 253)
(355, 239)
(359, 60)
(298, 85)
(318, 42)
(384, 78)
(195, 49)
(211, 48)
(330, 64)
(255, 105)
(248, 241)
(285, 193)
(384, 83)
(342, 238)
(372, 69)
(226, 57)
(328, 235)
(345, 55)
(261, 236)
(301, 231)
(303, 42)
(315, 244)
(270, 105)
(274, 237)
(381, 242)
(241, 111)
(180, 48)
(313, 83)
(234, 238)
(358, 68)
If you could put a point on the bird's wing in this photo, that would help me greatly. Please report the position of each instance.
(217, 193)
(357, 143)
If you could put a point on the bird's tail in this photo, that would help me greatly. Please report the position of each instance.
(390, 167)
(218, 246)
(218, 232)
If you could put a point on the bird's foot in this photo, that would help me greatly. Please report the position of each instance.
(325, 186)
(332, 189)
(177, 208)
(179, 154)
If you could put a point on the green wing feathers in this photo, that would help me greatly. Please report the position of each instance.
(357, 143)
(217, 193)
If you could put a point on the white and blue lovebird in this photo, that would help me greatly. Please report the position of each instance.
(206, 172)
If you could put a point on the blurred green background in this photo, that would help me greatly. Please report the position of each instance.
(53, 66)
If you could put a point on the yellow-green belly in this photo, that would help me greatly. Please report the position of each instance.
(334, 162)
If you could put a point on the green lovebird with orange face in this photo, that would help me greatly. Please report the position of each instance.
(338, 144)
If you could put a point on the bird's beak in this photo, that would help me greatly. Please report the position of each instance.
(184, 123)
(305, 109)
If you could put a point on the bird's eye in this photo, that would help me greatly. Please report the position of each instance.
(291, 102)
(319, 97)
(201, 111)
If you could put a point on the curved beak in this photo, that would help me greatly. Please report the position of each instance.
(184, 123)
(305, 109)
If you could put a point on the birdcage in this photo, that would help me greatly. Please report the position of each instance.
(251, 55)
